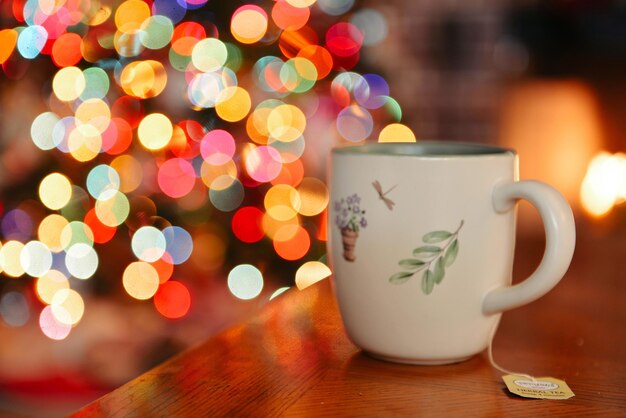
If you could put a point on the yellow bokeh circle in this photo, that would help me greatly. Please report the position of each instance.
(249, 24)
(50, 230)
(68, 83)
(55, 191)
(282, 202)
(155, 131)
(140, 280)
(233, 104)
(396, 132)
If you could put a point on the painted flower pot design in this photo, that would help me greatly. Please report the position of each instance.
(348, 239)
(350, 219)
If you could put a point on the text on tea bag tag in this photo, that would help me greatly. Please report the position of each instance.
(537, 388)
(527, 386)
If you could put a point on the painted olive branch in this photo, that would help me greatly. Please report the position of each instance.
(430, 258)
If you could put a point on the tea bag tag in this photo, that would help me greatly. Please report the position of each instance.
(528, 386)
(538, 387)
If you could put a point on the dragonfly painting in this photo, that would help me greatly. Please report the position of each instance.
(383, 195)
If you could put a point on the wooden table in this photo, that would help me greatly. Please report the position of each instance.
(294, 359)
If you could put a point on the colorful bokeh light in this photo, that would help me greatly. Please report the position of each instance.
(182, 132)
(172, 300)
(245, 281)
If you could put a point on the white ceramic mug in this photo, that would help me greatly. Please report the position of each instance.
(421, 242)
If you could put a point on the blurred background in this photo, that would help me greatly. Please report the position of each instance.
(163, 162)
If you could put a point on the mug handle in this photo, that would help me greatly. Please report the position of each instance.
(558, 222)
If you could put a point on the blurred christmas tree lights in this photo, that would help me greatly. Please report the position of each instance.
(187, 130)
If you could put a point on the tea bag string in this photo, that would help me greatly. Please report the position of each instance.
(496, 365)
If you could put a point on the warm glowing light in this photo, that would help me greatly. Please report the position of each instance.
(118, 137)
(67, 306)
(344, 39)
(209, 54)
(55, 191)
(66, 50)
(319, 57)
(604, 184)
(247, 224)
(8, 40)
(85, 142)
(288, 17)
(256, 124)
(292, 174)
(233, 104)
(292, 242)
(172, 300)
(176, 177)
(101, 232)
(286, 123)
(114, 210)
(271, 226)
(282, 202)
(396, 132)
(140, 280)
(94, 112)
(49, 284)
(218, 176)
(164, 268)
(49, 231)
(311, 272)
(249, 24)
(154, 114)
(301, 3)
(144, 79)
(10, 255)
(291, 42)
(130, 15)
(155, 131)
(186, 36)
(100, 16)
(68, 83)
(129, 171)
(313, 195)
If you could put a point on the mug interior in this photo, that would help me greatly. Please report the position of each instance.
(424, 148)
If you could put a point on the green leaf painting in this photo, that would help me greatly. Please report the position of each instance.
(411, 263)
(401, 277)
(440, 252)
(436, 236)
(426, 251)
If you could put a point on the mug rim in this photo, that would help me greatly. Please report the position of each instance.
(424, 149)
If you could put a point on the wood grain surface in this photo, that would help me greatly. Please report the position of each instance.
(294, 359)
